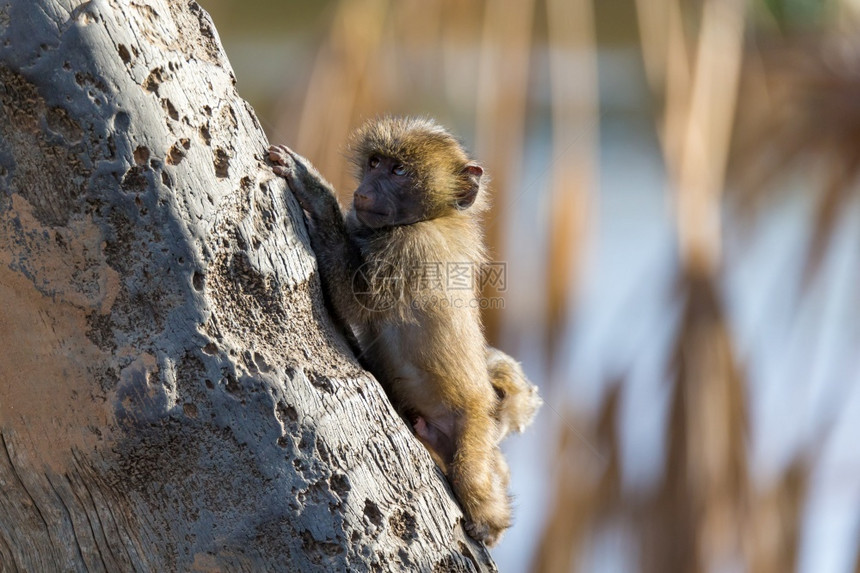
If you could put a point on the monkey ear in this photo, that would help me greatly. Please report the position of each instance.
(466, 197)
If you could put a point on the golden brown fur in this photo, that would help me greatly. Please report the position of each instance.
(518, 398)
(416, 209)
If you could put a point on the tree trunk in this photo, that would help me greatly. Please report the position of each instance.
(173, 395)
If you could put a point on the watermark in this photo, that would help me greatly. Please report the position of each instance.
(427, 301)
(429, 285)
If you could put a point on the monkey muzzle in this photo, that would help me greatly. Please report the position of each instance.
(369, 212)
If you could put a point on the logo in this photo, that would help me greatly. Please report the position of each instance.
(378, 287)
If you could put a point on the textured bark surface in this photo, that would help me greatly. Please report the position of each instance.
(173, 395)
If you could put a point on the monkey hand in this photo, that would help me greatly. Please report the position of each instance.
(517, 398)
(313, 192)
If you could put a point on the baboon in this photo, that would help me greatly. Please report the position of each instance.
(415, 215)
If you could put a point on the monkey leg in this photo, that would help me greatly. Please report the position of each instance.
(477, 482)
(502, 471)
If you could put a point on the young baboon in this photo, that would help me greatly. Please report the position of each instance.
(386, 268)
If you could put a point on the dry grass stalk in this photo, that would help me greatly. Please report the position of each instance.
(668, 67)
(776, 520)
(501, 112)
(707, 133)
(699, 97)
(700, 515)
(575, 132)
(587, 489)
(702, 507)
(716, 425)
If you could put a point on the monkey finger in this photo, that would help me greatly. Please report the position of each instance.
(300, 162)
(281, 150)
(278, 154)
(287, 151)
(282, 170)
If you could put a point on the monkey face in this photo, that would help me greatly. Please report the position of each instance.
(387, 195)
(411, 170)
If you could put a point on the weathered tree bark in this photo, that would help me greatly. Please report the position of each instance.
(173, 395)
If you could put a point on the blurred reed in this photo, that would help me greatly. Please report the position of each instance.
(802, 111)
(575, 104)
(708, 427)
(706, 511)
(699, 515)
(503, 73)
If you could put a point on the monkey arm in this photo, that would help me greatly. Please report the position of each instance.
(313, 192)
(338, 257)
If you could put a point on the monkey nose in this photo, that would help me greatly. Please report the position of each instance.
(361, 201)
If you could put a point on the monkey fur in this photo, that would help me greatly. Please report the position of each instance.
(416, 210)
(516, 405)
(518, 399)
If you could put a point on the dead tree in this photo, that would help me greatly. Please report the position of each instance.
(173, 395)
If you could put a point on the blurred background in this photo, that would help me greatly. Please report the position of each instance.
(675, 199)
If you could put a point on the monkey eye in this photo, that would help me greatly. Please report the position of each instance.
(399, 169)
(373, 161)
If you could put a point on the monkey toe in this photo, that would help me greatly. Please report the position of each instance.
(488, 518)
(484, 533)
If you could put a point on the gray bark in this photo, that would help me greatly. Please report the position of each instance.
(173, 395)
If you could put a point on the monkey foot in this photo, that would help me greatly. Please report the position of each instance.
(488, 513)
(483, 532)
